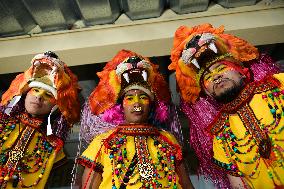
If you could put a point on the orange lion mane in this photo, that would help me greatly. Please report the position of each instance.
(67, 92)
(106, 94)
(186, 75)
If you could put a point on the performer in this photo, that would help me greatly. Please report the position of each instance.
(136, 152)
(36, 113)
(234, 99)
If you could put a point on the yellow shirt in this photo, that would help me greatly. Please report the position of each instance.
(249, 151)
(39, 171)
(103, 159)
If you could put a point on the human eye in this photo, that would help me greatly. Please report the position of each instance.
(49, 94)
(35, 89)
(221, 68)
(207, 77)
(144, 97)
(129, 98)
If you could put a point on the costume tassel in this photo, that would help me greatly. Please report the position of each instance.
(49, 130)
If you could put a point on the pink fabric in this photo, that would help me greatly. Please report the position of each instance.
(92, 125)
(161, 113)
(114, 115)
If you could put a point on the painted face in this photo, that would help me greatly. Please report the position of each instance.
(39, 102)
(220, 80)
(136, 106)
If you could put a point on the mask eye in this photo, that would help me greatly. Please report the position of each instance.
(193, 43)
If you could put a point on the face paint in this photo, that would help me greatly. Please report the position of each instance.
(137, 98)
(136, 106)
(39, 92)
(209, 76)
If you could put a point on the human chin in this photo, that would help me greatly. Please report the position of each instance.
(228, 94)
(33, 111)
(223, 87)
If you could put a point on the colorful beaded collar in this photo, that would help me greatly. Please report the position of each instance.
(137, 129)
(26, 119)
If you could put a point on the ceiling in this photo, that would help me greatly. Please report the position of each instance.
(20, 17)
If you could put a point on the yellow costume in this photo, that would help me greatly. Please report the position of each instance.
(29, 145)
(36, 153)
(248, 140)
(162, 147)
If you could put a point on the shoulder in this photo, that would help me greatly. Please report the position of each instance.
(280, 77)
(102, 136)
(169, 136)
(95, 146)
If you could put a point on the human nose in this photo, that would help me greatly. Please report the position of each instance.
(217, 78)
(39, 95)
(136, 99)
(136, 104)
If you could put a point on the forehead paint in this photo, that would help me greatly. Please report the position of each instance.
(46, 95)
(218, 70)
(209, 76)
(136, 98)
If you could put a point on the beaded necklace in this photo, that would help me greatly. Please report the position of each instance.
(16, 159)
(142, 167)
(258, 136)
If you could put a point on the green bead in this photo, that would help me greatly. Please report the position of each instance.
(273, 111)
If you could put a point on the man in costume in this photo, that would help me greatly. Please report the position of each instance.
(37, 111)
(132, 153)
(233, 98)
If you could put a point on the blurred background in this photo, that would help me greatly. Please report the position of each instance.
(87, 33)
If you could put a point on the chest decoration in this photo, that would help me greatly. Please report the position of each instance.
(259, 139)
(143, 168)
(16, 158)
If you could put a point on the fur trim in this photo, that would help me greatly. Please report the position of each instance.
(147, 91)
(43, 86)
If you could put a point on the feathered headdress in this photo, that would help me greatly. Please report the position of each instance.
(197, 48)
(50, 73)
(126, 71)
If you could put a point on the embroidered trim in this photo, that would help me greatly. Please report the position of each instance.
(251, 123)
(145, 167)
(218, 124)
(29, 121)
(96, 166)
(247, 93)
(245, 96)
(138, 129)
